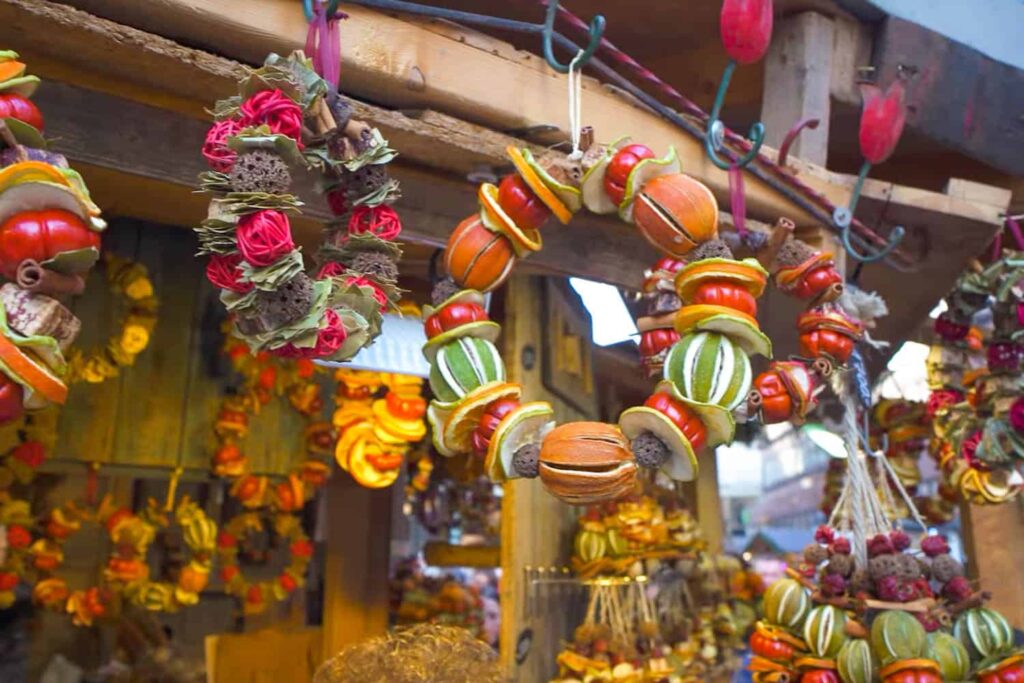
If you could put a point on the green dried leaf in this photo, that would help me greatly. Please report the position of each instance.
(216, 236)
(260, 138)
(377, 153)
(242, 203)
(387, 193)
(215, 182)
(226, 108)
(74, 261)
(271, 278)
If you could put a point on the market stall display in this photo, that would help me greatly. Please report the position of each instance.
(286, 116)
(49, 239)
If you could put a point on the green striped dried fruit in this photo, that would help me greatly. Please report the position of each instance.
(856, 662)
(709, 367)
(951, 656)
(786, 603)
(896, 635)
(464, 365)
(985, 632)
(824, 631)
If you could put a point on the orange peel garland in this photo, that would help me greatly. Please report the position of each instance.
(46, 556)
(263, 379)
(256, 595)
(375, 433)
(698, 334)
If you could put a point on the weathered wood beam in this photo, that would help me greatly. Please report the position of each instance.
(797, 83)
(957, 96)
(140, 69)
(162, 147)
(434, 65)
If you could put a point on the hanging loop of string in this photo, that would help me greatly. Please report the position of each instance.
(575, 104)
(323, 41)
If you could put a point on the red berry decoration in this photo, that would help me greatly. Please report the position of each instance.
(16, 106)
(619, 168)
(521, 204)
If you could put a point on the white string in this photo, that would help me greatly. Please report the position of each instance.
(903, 492)
(575, 105)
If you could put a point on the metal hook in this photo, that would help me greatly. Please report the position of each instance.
(596, 30)
(307, 8)
(714, 137)
(843, 218)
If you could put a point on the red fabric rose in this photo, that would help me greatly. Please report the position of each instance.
(218, 155)
(381, 221)
(378, 293)
(337, 201)
(223, 272)
(276, 110)
(332, 334)
(264, 237)
(32, 453)
(331, 269)
(1017, 415)
(329, 339)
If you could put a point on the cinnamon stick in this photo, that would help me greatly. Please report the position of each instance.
(33, 277)
(782, 231)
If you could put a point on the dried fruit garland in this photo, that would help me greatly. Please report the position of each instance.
(903, 617)
(699, 334)
(977, 399)
(49, 239)
(130, 281)
(127, 571)
(263, 379)
(52, 592)
(374, 432)
(16, 518)
(477, 411)
(286, 117)
(256, 594)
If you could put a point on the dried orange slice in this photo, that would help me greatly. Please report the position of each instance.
(464, 418)
(550, 199)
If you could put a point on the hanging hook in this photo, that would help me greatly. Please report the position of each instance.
(596, 32)
(843, 218)
(307, 8)
(715, 135)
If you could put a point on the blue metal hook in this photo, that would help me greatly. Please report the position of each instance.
(714, 137)
(843, 218)
(597, 25)
(307, 8)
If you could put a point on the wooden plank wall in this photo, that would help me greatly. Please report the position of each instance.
(160, 411)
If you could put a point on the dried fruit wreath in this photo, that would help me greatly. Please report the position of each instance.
(285, 117)
(699, 335)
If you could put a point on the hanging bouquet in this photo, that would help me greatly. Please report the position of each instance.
(286, 117)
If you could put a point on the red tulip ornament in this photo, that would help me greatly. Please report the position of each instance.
(881, 122)
(746, 27)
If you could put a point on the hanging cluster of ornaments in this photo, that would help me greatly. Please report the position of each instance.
(284, 118)
(977, 400)
(49, 240)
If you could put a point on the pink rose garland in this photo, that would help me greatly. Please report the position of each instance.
(381, 221)
(218, 155)
(264, 237)
(276, 110)
(224, 272)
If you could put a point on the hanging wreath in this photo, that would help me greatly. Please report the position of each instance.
(264, 378)
(47, 556)
(129, 281)
(127, 571)
(255, 595)
(16, 518)
(286, 116)
(374, 432)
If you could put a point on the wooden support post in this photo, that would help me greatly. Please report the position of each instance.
(994, 555)
(536, 528)
(355, 583)
(798, 73)
(798, 86)
(709, 503)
